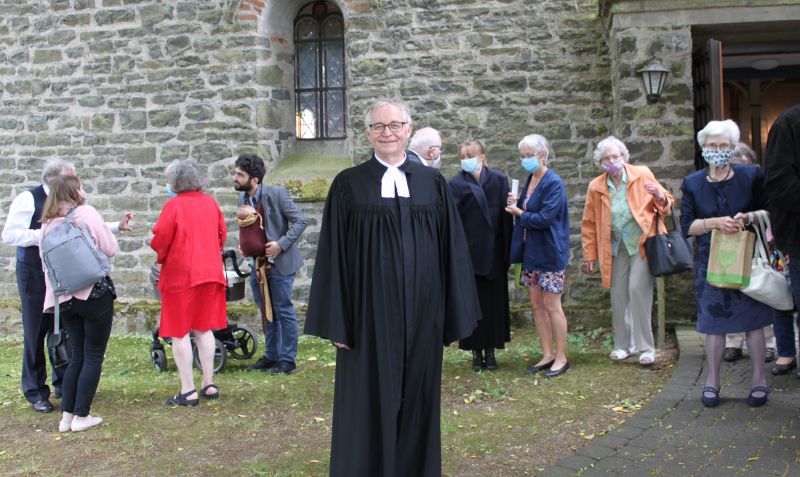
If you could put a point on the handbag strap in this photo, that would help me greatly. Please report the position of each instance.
(675, 224)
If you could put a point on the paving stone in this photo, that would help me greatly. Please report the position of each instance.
(575, 462)
(596, 451)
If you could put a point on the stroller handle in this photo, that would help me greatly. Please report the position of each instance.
(230, 254)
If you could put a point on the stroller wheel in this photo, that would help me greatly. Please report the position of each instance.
(220, 355)
(159, 360)
(245, 343)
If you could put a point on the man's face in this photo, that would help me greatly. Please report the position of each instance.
(242, 181)
(389, 143)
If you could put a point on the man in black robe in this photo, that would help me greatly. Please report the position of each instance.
(392, 284)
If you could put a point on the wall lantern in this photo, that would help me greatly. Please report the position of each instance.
(654, 77)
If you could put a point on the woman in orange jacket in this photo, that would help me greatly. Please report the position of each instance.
(620, 211)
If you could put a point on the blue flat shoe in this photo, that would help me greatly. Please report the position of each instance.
(710, 401)
(756, 401)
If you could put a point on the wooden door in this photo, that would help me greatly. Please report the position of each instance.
(707, 79)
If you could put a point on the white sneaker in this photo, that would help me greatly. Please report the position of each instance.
(65, 425)
(618, 354)
(82, 423)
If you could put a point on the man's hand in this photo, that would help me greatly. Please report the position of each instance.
(273, 249)
(124, 224)
(340, 345)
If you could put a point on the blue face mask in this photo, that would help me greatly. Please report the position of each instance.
(170, 193)
(470, 164)
(531, 164)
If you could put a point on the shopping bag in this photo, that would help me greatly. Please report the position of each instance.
(730, 259)
(767, 285)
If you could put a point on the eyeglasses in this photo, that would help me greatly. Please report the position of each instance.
(533, 154)
(717, 147)
(394, 126)
(611, 158)
(435, 147)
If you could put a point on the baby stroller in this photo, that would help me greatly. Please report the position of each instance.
(237, 340)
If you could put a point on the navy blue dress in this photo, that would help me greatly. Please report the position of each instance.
(720, 310)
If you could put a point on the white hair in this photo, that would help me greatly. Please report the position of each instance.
(610, 141)
(386, 102)
(537, 143)
(56, 167)
(185, 175)
(726, 128)
(424, 138)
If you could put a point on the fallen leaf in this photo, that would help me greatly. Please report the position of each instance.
(589, 437)
(752, 459)
(319, 419)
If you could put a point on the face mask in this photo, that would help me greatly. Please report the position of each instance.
(531, 164)
(437, 162)
(170, 193)
(612, 168)
(470, 164)
(717, 159)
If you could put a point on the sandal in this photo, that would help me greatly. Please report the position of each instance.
(211, 396)
(756, 401)
(647, 358)
(180, 399)
(618, 355)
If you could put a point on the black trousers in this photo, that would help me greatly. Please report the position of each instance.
(89, 326)
(36, 326)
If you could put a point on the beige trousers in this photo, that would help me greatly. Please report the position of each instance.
(631, 302)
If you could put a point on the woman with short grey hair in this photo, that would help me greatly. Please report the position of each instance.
(718, 197)
(619, 215)
(188, 239)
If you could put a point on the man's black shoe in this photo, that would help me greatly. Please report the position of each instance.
(283, 367)
(42, 406)
(263, 364)
(731, 354)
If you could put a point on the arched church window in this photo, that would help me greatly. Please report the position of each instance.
(319, 72)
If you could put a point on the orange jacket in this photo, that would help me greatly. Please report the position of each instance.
(596, 224)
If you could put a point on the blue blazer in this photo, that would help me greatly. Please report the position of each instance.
(283, 223)
(486, 223)
(540, 240)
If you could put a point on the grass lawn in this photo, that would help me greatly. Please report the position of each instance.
(493, 424)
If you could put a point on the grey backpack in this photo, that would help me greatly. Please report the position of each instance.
(72, 259)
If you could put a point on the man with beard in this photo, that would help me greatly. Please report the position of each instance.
(283, 225)
(392, 284)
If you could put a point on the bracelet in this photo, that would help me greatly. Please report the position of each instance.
(705, 230)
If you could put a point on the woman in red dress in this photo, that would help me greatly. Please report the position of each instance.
(188, 238)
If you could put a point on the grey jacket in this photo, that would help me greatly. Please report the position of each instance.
(284, 223)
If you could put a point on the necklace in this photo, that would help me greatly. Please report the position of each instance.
(710, 178)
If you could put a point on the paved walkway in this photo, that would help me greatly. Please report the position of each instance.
(674, 435)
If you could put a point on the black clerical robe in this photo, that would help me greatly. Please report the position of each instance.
(393, 281)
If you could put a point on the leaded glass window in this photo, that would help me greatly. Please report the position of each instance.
(319, 72)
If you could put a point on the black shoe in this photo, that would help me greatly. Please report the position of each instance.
(491, 362)
(769, 355)
(754, 401)
(477, 360)
(540, 367)
(263, 364)
(732, 354)
(552, 373)
(781, 369)
(283, 367)
(42, 406)
(57, 395)
(710, 401)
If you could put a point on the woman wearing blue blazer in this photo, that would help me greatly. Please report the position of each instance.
(480, 195)
(540, 242)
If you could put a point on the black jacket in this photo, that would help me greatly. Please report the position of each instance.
(782, 173)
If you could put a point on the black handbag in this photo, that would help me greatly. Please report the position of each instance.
(58, 348)
(668, 253)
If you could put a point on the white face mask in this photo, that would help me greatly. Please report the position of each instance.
(437, 162)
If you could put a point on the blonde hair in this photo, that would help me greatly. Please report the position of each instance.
(64, 189)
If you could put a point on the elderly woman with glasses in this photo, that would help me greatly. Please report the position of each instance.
(619, 215)
(718, 197)
(540, 241)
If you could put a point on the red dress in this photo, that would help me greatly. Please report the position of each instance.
(188, 238)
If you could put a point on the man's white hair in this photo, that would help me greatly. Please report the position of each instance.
(719, 128)
(386, 102)
(56, 167)
(423, 139)
(610, 141)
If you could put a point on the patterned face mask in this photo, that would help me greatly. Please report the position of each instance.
(612, 168)
(718, 159)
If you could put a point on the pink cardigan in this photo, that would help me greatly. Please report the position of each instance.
(103, 238)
